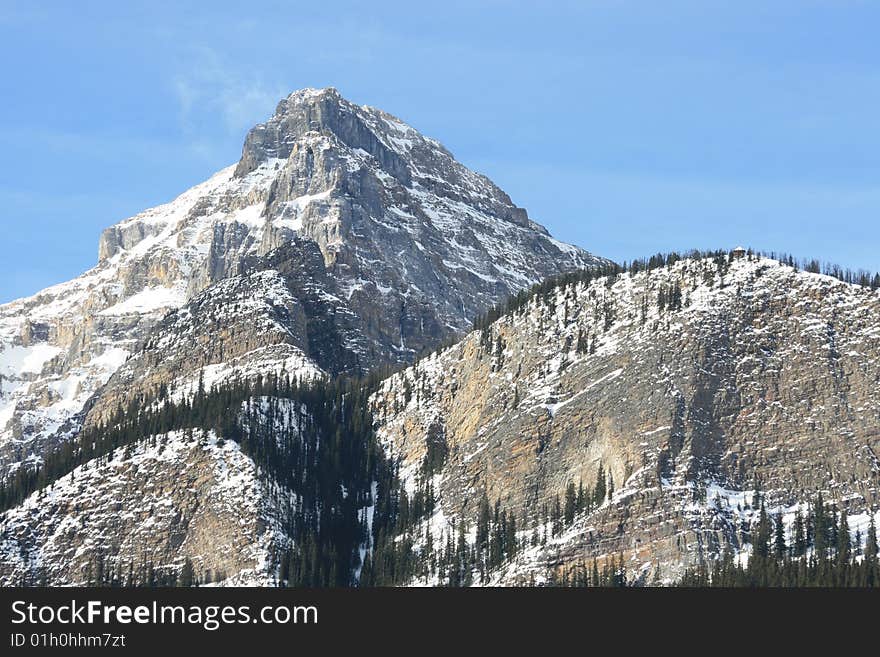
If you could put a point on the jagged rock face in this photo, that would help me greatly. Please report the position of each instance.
(284, 315)
(409, 234)
(174, 496)
(242, 327)
(764, 372)
(413, 245)
(61, 345)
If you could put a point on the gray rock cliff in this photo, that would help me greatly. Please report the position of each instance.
(764, 376)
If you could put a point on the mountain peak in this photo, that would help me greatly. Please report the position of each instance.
(308, 97)
(311, 93)
(309, 114)
(376, 229)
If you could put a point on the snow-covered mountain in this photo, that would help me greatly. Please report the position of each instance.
(189, 402)
(398, 247)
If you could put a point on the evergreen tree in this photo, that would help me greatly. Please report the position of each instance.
(779, 548)
(483, 523)
(871, 546)
(582, 342)
(761, 539)
(820, 529)
(556, 518)
(844, 547)
(600, 491)
(799, 548)
(187, 575)
(570, 503)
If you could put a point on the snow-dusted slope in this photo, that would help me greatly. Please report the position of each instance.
(59, 346)
(763, 373)
(242, 327)
(415, 245)
(171, 497)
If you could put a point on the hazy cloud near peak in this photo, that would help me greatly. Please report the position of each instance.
(213, 86)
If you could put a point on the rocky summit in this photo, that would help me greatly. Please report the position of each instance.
(342, 240)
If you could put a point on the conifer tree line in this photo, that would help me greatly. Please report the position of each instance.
(470, 552)
(326, 455)
(820, 550)
(101, 572)
(668, 298)
(411, 553)
(581, 575)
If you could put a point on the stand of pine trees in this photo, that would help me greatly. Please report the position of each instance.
(611, 575)
(327, 456)
(669, 297)
(822, 552)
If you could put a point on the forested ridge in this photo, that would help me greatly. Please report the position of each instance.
(353, 523)
(720, 258)
(328, 458)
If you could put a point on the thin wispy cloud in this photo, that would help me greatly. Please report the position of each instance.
(211, 85)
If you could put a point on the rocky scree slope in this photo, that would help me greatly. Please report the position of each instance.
(747, 374)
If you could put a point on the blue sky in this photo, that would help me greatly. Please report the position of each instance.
(624, 127)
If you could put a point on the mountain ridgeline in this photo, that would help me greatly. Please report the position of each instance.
(364, 476)
(348, 360)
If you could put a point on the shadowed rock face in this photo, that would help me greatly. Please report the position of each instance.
(764, 374)
(384, 244)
